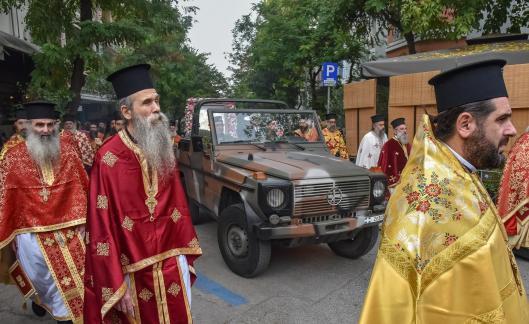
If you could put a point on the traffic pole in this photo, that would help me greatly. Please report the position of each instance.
(328, 99)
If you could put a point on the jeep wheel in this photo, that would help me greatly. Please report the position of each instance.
(358, 246)
(244, 253)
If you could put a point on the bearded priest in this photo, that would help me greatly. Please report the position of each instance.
(444, 256)
(43, 197)
(141, 244)
(395, 152)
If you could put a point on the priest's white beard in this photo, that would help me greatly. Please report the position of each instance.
(154, 139)
(44, 149)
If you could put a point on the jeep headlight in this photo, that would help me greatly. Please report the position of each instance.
(275, 198)
(379, 188)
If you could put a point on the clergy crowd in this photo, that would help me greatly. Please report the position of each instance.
(96, 228)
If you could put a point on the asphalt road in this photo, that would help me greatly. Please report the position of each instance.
(303, 285)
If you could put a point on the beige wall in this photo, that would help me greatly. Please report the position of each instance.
(359, 106)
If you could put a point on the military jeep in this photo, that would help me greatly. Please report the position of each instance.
(245, 164)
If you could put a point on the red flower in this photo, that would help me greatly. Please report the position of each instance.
(423, 206)
(413, 196)
(449, 239)
(433, 190)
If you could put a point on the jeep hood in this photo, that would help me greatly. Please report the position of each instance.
(293, 165)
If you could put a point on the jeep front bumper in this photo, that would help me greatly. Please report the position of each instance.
(325, 228)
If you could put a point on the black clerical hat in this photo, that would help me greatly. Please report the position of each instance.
(69, 117)
(377, 118)
(131, 80)
(41, 110)
(397, 122)
(20, 114)
(330, 116)
(469, 83)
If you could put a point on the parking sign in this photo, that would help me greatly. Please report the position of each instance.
(329, 74)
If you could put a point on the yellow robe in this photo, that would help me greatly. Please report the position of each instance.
(336, 143)
(443, 256)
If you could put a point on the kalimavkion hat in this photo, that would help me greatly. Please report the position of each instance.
(397, 122)
(69, 117)
(41, 110)
(20, 114)
(130, 80)
(469, 83)
(377, 118)
(330, 116)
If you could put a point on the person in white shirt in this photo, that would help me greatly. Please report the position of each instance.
(371, 144)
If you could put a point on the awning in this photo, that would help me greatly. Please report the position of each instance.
(10, 41)
(514, 52)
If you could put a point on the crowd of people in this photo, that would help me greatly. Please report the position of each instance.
(95, 227)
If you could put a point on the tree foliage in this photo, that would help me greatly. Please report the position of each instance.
(278, 50)
(83, 41)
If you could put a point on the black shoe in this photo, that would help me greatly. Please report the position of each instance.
(38, 310)
(64, 322)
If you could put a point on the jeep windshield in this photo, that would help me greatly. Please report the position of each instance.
(243, 127)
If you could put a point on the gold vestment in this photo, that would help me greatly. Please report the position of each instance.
(443, 256)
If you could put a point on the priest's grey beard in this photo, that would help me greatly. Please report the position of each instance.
(44, 149)
(402, 138)
(154, 139)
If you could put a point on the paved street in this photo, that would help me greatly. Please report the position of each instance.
(303, 285)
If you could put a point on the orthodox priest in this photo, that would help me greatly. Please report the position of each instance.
(395, 152)
(444, 255)
(305, 131)
(81, 140)
(140, 241)
(19, 136)
(513, 196)
(334, 138)
(43, 198)
(371, 144)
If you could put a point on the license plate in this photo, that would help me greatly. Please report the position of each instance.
(374, 219)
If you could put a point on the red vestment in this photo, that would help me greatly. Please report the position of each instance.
(137, 226)
(513, 196)
(23, 191)
(393, 159)
(50, 202)
(83, 146)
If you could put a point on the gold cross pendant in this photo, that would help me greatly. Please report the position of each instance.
(44, 193)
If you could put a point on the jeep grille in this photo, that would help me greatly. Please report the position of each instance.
(317, 197)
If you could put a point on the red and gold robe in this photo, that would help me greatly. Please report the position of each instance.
(137, 227)
(513, 196)
(83, 146)
(393, 159)
(13, 141)
(50, 202)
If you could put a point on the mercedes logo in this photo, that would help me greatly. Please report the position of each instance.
(334, 196)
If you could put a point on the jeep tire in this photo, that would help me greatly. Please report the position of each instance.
(358, 246)
(242, 251)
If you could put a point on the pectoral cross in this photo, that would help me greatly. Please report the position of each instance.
(44, 193)
(151, 203)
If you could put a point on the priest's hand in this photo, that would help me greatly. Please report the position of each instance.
(125, 304)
